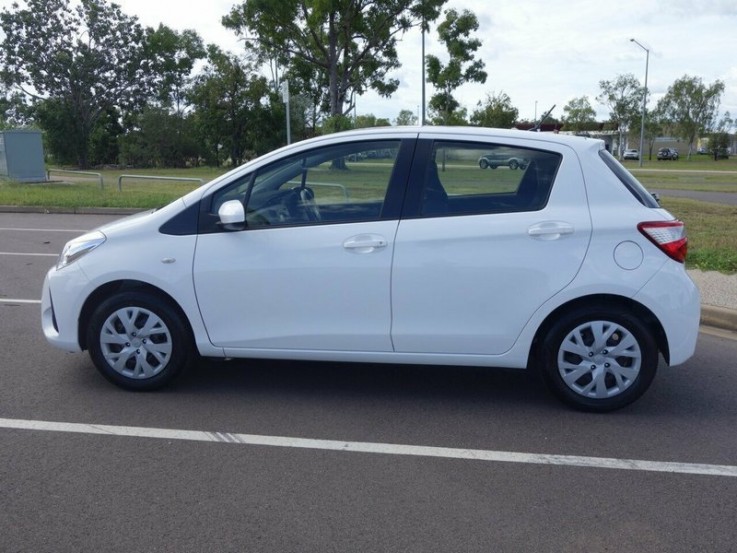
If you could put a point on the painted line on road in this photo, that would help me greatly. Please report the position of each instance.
(371, 447)
(77, 231)
(11, 300)
(22, 254)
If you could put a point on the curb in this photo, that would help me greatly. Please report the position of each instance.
(71, 210)
(719, 317)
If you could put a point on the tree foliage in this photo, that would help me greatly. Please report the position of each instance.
(495, 111)
(228, 97)
(461, 68)
(577, 113)
(352, 43)
(623, 96)
(172, 57)
(692, 107)
(82, 58)
(406, 118)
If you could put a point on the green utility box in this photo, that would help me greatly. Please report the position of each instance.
(22, 156)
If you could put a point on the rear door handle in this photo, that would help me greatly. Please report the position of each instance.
(550, 230)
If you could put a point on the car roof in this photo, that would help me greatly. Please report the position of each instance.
(460, 133)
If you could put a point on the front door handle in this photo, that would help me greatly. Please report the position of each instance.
(365, 243)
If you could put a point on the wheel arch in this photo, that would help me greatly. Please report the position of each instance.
(110, 288)
(607, 301)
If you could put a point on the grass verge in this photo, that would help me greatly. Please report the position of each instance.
(712, 233)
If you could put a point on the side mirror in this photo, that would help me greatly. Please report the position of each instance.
(232, 215)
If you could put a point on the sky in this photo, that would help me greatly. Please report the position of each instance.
(539, 52)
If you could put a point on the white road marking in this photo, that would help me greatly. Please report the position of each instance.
(11, 300)
(22, 254)
(370, 447)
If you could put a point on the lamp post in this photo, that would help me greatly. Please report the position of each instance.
(285, 97)
(644, 99)
(422, 116)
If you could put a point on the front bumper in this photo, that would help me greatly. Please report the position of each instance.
(60, 306)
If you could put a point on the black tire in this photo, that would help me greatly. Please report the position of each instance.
(139, 341)
(514, 164)
(483, 163)
(598, 377)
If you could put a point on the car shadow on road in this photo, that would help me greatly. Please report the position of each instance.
(315, 379)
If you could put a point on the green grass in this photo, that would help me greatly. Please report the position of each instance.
(712, 233)
(75, 191)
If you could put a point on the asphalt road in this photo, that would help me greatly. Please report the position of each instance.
(727, 198)
(103, 486)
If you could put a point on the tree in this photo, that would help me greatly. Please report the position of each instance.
(370, 120)
(692, 107)
(78, 61)
(173, 56)
(406, 118)
(719, 137)
(352, 43)
(578, 113)
(228, 99)
(461, 68)
(496, 111)
(623, 96)
(655, 126)
(158, 137)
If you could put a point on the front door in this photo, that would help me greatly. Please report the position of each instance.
(311, 269)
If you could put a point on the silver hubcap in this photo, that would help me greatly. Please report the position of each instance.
(136, 343)
(599, 359)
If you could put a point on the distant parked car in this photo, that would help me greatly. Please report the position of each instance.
(502, 160)
(632, 153)
(667, 154)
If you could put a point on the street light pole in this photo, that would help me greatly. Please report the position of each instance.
(285, 97)
(422, 117)
(644, 99)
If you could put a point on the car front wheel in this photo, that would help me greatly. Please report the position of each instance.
(599, 359)
(138, 341)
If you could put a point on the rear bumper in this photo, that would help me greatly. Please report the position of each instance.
(676, 301)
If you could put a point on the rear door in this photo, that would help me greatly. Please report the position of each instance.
(484, 249)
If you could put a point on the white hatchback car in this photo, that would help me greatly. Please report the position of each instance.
(389, 245)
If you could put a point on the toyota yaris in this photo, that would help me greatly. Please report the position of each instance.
(326, 250)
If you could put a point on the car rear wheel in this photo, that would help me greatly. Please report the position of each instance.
(514, 164)
(599, 359)
(138, 341)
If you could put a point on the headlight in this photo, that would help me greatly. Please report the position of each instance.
(79, 247)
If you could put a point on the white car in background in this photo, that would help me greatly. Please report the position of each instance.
(631, 154)
(325, 250)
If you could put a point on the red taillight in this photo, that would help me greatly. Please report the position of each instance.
(669, 236)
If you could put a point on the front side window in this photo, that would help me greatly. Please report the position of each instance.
(473, 178)
(335, 184)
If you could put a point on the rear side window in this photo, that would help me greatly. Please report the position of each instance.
(479, 178)
(630, 182)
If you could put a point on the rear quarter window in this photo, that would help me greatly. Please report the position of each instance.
(628, 180)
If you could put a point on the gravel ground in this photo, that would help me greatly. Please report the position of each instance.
(717, 289)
